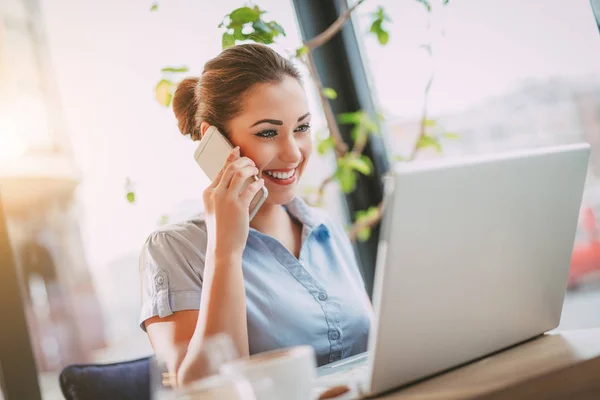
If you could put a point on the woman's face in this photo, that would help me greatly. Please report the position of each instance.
(274, 131)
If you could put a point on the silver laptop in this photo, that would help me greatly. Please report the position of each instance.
(473, 258)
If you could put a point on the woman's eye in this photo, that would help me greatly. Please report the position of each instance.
(268, 134)
(303, 128)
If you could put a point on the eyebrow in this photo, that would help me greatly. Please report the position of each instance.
(277, 121)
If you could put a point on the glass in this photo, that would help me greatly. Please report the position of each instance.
(216, 351)
(506, 75)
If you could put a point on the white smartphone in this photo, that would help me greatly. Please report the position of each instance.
(212, 153)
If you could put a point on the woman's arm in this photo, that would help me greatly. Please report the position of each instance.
(223, 299)
(178, 339)
(223, 309)
(170, 337)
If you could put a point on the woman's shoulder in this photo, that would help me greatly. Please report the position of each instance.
(188, 234)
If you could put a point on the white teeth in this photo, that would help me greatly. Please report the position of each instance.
(281, 175)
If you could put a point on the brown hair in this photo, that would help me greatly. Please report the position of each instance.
(216, 96)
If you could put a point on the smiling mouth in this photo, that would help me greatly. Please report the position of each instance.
(280, 175)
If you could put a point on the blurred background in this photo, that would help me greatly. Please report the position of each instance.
(90, 163)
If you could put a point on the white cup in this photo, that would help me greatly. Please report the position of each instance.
(292, 373)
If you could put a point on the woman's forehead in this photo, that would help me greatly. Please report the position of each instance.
(284, 100)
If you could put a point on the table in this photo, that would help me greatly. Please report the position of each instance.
(558, 365)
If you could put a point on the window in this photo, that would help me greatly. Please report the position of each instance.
(508, 74)
(118, 130)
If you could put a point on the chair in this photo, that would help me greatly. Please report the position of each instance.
(129, 380)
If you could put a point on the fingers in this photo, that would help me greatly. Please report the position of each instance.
(232, 169)
(240, 176)
(233, 156)
(249, 193)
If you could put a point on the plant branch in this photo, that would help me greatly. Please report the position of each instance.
(369, 223)
(424, 116)
(359, 145)
(340, 147)
(334, 28)
(425, 113)
(366, 223)
(324, 184)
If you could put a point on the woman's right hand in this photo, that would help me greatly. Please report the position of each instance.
(227, 205)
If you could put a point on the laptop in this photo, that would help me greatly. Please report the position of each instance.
(473, 258)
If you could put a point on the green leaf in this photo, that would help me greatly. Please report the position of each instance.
(446, 2)
(381, 14)
(154, 7)
(364, 234)
(238, 34)
(228, 40)
(276, 29)
(301, 51)
(329, 93)
(370, 125)
(131, 197)
(359, 214)
(244, 15)
(347, 179)
(258, 10)
(361, 165)
(383, 37)
(428, 141)
(324, 145)
(430, 123)
(363, 216)
(451, 136)
(164, 219)
(164, 92)
(376, 26)
(350, 117)
(368, 161)
(175, 69)
(261, 37)
(260, 26)
(373, 212)
(426, 3)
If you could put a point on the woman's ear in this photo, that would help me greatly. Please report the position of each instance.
(203, 127)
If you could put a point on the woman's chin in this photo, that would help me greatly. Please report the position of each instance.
(281, 197)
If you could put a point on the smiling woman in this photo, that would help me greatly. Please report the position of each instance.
(286, 278)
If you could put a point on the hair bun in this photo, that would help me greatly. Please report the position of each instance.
(185, 104)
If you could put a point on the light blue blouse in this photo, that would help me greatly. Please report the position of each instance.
(318, 299)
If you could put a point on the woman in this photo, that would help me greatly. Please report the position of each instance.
(286, 278)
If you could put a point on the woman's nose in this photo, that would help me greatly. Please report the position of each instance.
(290, 151)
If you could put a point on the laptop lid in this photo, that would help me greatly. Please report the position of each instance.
(474, 257)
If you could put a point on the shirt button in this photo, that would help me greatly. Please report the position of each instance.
(322, 296)
(160, 280)
(334, 335)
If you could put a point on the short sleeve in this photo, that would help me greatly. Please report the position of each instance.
(171, 269)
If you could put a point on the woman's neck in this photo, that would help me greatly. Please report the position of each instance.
(269, 218)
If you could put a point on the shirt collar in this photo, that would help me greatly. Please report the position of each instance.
(303, 213)
(311, 219)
